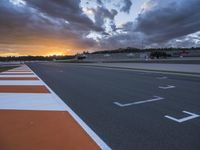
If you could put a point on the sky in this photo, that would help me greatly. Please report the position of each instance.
(65, 27)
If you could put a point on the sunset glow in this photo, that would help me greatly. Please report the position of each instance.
(48, 27)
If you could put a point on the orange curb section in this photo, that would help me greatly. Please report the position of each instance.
(23, 89)
(18, 71)
(19, 78)
(42, 130)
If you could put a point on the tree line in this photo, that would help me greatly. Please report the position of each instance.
(34, 58)
(134, 50)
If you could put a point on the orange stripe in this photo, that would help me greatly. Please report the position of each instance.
(16, 73)
(19, 78)
(42, 130)
(23, 89)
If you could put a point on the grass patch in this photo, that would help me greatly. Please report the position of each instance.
(5, 68)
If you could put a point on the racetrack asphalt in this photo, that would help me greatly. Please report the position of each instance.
(91, 92)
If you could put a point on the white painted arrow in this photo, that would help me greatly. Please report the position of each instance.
(192, 116)
(167, 87)
(156, 98)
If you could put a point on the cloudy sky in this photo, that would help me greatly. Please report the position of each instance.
(47, 27)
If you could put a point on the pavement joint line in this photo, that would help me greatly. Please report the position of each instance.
(146, 70)
(181, 120)
(155, 98)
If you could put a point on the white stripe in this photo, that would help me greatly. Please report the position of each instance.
(90, 132)
(192, 116)
(156, 98)
(22, 82)
(18, 101)
(13, 76)
(20, 69)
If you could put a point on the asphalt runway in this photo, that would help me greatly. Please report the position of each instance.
(130, 110)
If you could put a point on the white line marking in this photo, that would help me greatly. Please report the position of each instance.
(22, 82)
(89, 131)
(167, 87)
(162, 77)
(24, 101)
(155, 98)
(192, 116)
(6, 76)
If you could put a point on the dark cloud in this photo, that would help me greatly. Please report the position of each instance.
(44, 22)
(121, 40)
(64, 9)
(169, 19)
(126, 6)
(161, 24)
(101, 14)
(54, 22)
(99, 2)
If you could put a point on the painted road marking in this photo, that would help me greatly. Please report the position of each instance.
(23, 89)
(6, 76)
(164, 77)
(29, 101)
(155, 98)
(18, 78)
(86, 128)
(25, 103)
(20, 72)
(22, 82)
(167, 87)
(42, 130)
(192, 116)
(16, 73)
